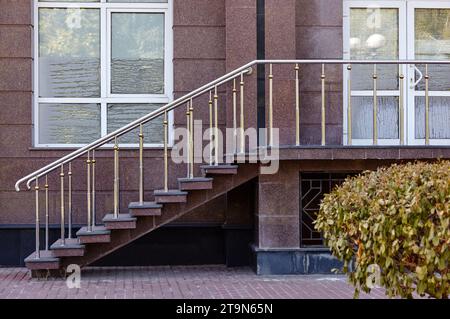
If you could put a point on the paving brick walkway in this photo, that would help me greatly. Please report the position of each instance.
(177, 282)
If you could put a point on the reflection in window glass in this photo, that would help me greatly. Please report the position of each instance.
(374, 35)
(69, 52)
(68, 123)
(122, 114)
(137, 57)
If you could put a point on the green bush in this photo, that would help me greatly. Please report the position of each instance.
(396, 218)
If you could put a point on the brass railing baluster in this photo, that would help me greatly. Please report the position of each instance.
(234, 116)
(270, 104)
(375, 106)
(216, 128)
(188, 139)
(211, 134)
(242, 143)
(116, 178)
(46, 213)
(166, 160)
(93, 188)
(141, 164)
(297, 106)
(349, 105)
(88, 192)
(322, 78)
(427, 106)
(191, 137)
(69, 204)
(36, 189)
(401, 115)
(63, 240)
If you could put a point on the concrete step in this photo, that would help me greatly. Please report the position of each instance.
(171, 196)
(98, 234)
(70, 248)
(122, 221)
(138, 209)
(196, 183)
(222, 169)
(46, 261)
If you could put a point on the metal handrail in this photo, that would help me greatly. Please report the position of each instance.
(195, 93)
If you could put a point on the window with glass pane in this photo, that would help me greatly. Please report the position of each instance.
(85, 90)
(137, 57)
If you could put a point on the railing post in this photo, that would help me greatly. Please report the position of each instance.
(242, 144)
(88, 186)
(46, 213)
(401, 107)
(211, 134)
(297, 106)
(375, 106)
(270, 105)
(188, 140)
(166, 160)
(427, 106)
(234, 117)
(322, 77)
(36, 190)
(63, 236)
(69, 204)
(116, 178)
(216, 128)
(93, 188)
(191, 137)
(141, 164)
(349, 105)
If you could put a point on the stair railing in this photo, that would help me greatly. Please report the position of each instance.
(238, 132)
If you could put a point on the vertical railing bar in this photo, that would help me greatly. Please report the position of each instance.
(191, 136)
(210, 104)
(141, 164)
(116, 178)
(166, 169)
(349, 105)
(46, 213)
(401, 106)
(63, 240)
(297, 106)
(427, 106)
(242, 143)
(270, 104)
(322, 77)
(93, 189)
(216, 128)
(36, 189)
(234, 117)
(188, 139)
(69, 204)
(88, 180)
(375, 106)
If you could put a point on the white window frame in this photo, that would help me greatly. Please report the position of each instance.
(106, 9)
(348, 5)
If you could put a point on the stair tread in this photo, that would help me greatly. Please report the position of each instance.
(194, 179)
(72, 243)
(144, 205)
(170, 192)
(46, 256)
(109, 218)
(96, 230)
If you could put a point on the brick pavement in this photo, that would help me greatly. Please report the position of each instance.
(215, 282)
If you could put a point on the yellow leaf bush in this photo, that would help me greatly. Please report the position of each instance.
(397, 218)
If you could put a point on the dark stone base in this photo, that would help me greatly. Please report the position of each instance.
(187, 244)
(294, 261)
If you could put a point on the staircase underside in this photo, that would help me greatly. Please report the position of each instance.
(129, 227)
